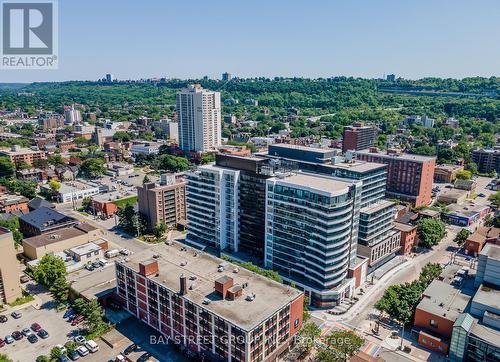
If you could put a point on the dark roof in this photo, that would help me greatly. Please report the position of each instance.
(44, 216)
(408, 218)
(38, 202)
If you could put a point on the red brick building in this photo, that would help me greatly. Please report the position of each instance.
(478, 239)
(202, 302)
(409, 177)
(358, 137)
(408, 237)
(436, 313)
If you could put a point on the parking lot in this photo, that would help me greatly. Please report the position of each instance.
(59, 331)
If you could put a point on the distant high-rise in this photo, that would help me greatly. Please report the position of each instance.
(199, 117)
(72, 115)
(391, 77)
(227, 76)
(109, 78)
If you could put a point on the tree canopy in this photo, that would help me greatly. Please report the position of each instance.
(430, 232)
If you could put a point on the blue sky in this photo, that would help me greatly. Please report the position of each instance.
(310, 38)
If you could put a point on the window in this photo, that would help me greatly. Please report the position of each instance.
(296, 323)
(433, 323)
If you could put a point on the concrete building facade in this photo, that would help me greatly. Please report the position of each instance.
(10, 288)
(199, 117)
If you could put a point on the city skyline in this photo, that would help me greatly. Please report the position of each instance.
(362, 39)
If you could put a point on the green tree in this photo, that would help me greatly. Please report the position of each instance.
(464, 175)
(92, 168)
(326, 354)
(54, 185)
(122, 136)
(495, 198)
(146, 179)
(71, 346)
(308, 335)
(429, 272)
(399, 301)
(55, 353)
(207, 158)
(159, 229)
(346, 342)
(93, 313)
(50, 269)
(23, 166)
(60, 290)
(56, 160)
(87, 203)
(7, 168)
(461, 236)
(430, 232)
(173, 163)
(130, 221)
(13, 225)
(5, 358)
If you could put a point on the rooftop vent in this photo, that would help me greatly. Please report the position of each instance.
(156, 256)
(184, 263)
(206, 301)
(192, 277)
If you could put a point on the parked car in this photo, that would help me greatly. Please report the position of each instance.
(96, 264)
(17, 335)
(32, 338)
(77, 320)
(112, 253)
(82, 351)
(8, 339)
(26, 332)
(16, 314)
(36, 327)
(144, 357)
(2, 343)
(80, 339)
(61, 348)
(42, 333)
(63, 358)
(103, 262)
(125, 252)
(3, 318)
(69, 312)
(92, 346)
(23, 278)
(73, 355)
(130, 349)
(481, 195)
(89, 267)
(121, 358)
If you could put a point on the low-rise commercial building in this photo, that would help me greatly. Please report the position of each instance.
(453, 196)
(145, 148)
(214, 308)
(436, 314)
(57, 241)
(73, 190)
(479, 238)
(10, 288)
(465, 214)
(86, 253)
(447, 173)
(488, 266)
(44, 220)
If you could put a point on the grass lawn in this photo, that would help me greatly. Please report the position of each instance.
(21, 300)
(125, 202)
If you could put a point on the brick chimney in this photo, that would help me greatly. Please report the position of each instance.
(149, 267)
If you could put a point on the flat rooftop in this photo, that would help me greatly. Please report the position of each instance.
(402, 156)
(58, 235)
(330, 185)
(72, 186)
(448, 167)
(444, 300)
(488, 295)
(378, 206)
(486, 333)
(85, 248)
(305, 148)
(19, 151)
(491, 251)
(112, 196)
(466, 209)
(178, 259)
(358, 166)
(403, 227)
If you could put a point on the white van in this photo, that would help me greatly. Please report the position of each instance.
(112, 253)
(92, 346)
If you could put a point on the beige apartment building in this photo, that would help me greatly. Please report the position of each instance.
(10, 288)
(19, 155)
(163, 203)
